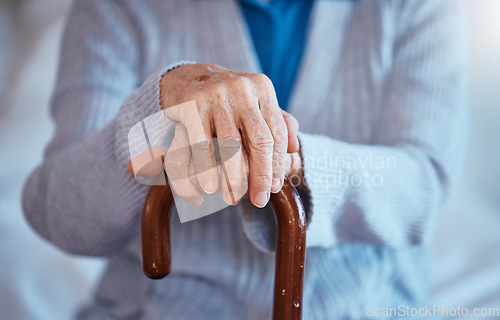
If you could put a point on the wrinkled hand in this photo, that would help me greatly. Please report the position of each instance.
(241, 111)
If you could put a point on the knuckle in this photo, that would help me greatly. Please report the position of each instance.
(262, 80)
(241, 82)
(278, 155)
(229, 141)
(263, 142)
(202, 149)
(217, 91)
(241, 90)
(262, 178)
(228, 148)
(280, 131)
(203, 162)
(280, 148)
(278, 166)
(171, 162)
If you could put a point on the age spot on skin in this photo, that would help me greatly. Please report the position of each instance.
(203, 78)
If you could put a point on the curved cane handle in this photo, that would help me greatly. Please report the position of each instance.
(290, 246)
(155, 232)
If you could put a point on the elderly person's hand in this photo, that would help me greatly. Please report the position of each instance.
(242, 111)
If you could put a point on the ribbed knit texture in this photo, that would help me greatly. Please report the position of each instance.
(378, 79)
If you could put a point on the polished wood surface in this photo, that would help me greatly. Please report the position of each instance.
(155, 232)
(290, 253)
(290, 246)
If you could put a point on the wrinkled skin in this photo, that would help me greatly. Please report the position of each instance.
(254, 135)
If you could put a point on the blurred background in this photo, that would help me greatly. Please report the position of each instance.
(38, 282)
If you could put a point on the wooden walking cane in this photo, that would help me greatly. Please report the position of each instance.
(290, 247)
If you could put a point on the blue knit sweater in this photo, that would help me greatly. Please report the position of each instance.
(279, 32)
(380, 101)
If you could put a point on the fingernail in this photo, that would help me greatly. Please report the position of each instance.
(209, 187)
(228, 198)
(276, 186)
(261, 199)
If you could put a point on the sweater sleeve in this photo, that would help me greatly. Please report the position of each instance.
(390, 192)
(82, 198)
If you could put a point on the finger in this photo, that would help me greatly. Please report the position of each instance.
(246, 174)
(176, 165)
(274, 119)
(259, 145)
(246, 163)
(199, 131)
(293, 129)
(233, 171)
(148, 163)
(192, 175)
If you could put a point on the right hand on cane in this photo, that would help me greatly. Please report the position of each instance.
(242, 112)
